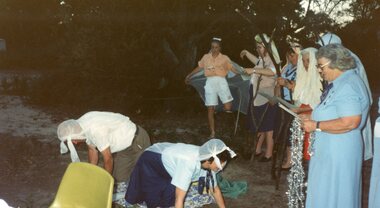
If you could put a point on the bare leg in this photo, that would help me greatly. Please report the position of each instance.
(227, 106)
(211, 120)
(269, 143)
(287, 163)
(260, 141)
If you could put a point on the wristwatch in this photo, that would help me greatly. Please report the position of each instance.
(318, 129)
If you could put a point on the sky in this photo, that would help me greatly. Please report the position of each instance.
(343, 5)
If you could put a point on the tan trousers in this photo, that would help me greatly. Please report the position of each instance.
(125, 160)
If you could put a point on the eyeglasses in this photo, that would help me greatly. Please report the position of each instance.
(323, 65)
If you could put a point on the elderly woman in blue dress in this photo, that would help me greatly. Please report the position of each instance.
(331, 38)
(334, 178)
(164, 172)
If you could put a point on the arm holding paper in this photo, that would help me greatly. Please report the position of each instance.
(291, 107)
(275, 99)
(289, 111)
(285, 104)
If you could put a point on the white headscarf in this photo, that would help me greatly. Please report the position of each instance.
(4, 204)
(308, 87)
(329, 38)
(68, 130)
(212, 148)
(273, 48)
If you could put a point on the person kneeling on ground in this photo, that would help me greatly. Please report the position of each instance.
(164, 172)
(117, 138)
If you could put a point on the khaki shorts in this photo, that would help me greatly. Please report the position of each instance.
(124, 161)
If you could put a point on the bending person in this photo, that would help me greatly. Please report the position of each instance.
(164, 172)
(216, 67)
(334, 178)
(117, 138)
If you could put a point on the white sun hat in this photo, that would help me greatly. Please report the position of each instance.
(68, 130)
(212, 148)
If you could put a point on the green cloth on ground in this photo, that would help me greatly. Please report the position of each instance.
(231, 189)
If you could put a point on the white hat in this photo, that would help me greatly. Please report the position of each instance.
(329, 38)
(217, 39)
(68, 130)
(4, 204)
(212, 148)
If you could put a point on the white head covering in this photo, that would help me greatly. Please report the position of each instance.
(68, 130)
(329, 38)
(308, 83)
(217, 39)
(212, 148)
(4, 204)
(275, 54)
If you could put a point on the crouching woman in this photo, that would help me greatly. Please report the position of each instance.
(164, 172)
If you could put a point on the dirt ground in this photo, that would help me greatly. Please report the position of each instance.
(31, 166)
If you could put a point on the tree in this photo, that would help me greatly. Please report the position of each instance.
(364, 9)
(109, 48)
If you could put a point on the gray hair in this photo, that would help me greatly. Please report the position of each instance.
(339, 56)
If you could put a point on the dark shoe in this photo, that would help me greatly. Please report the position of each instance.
(265, 159)
(258, 154)
(285, 169)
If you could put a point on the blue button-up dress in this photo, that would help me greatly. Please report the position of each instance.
(334, 178)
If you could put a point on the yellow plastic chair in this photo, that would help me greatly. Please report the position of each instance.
(84, 186)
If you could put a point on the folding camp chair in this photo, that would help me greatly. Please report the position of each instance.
(84, 185)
